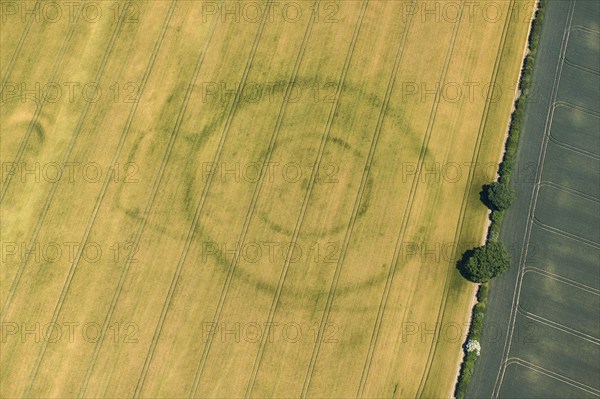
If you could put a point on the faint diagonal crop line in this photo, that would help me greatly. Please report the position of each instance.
(255, 195)
(100, 198)
(565, 189)
(306, 200)
(561, 279)
(466, 195)
(359, 197)
(557, 326)
(556, 230)
(568, 104)
(407, 214)
(151, 202)
(17, 51)
(42, 101)
(199, 63)
(151, 199)
(553, 374)
(573, 148)
(197, 213)
(54, 185)
(533, 200)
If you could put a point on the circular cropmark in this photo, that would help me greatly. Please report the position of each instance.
(286, 173)
(331, 183)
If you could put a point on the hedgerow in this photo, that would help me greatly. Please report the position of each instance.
(497, 216)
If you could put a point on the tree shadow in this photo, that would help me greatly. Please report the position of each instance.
(462, 263)
(484, 196)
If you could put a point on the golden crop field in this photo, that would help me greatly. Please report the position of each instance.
(246, 199)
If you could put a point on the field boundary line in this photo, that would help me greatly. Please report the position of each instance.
(356, 207)
(407, 213)
(558, 326)
(552, 374)
(533, 201)
(306, 199)
(459, 228)
(100, 198)
(562, 279)
(66, 156)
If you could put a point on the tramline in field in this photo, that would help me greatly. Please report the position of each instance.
(279, 211)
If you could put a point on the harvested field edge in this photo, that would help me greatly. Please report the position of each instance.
(504, 175)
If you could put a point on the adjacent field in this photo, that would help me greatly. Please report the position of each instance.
(553, 344)
(162, 265)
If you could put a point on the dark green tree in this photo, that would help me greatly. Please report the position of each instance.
(482, 264)
(499, 196)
